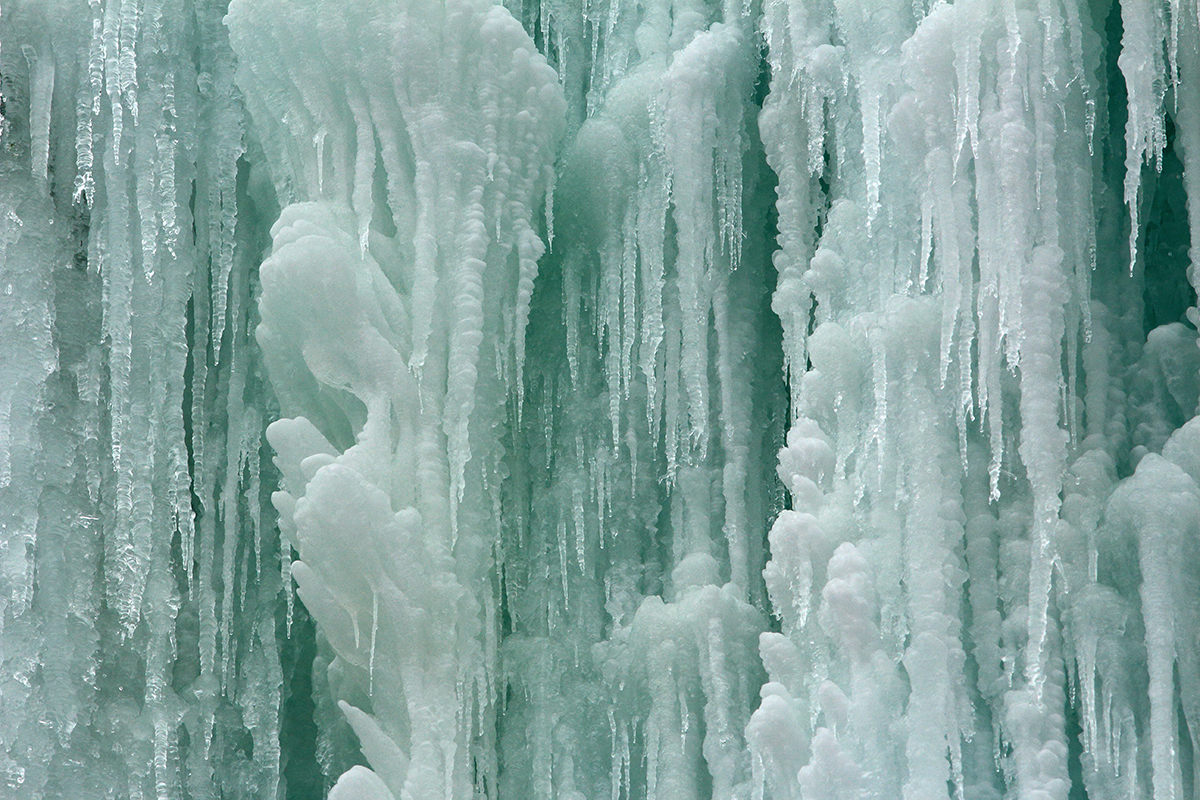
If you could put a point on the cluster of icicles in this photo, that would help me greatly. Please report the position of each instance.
(654, 399)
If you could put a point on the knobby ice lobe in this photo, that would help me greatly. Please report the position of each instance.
(571, 472)
(398, 351)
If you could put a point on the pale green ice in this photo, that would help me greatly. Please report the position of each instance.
(599, 399)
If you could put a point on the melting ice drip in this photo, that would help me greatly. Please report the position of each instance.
(564, 306)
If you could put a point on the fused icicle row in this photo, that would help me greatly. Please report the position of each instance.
(147, 694)
(632, 550)
(992, 113)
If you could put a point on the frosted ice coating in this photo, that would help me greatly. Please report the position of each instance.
(599, 399)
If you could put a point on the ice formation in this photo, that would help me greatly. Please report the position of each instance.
(580, 399)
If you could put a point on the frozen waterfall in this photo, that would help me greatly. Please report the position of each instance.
(599, 399)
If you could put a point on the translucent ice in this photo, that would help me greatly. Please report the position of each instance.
(579, 399)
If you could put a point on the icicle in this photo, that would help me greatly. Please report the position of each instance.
(374, 636)
(41, 89)
(1043, 441)
(1141, 63)
(127, 61)
(87, 106)
(652, 210)
(112, 74)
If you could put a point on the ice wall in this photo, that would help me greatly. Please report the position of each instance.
(657, 399)
(139, 643)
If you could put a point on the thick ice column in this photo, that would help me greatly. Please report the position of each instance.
(393, 314)
(1159, 506)
(29, 359)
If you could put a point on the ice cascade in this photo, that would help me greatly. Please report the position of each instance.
(580, 399)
